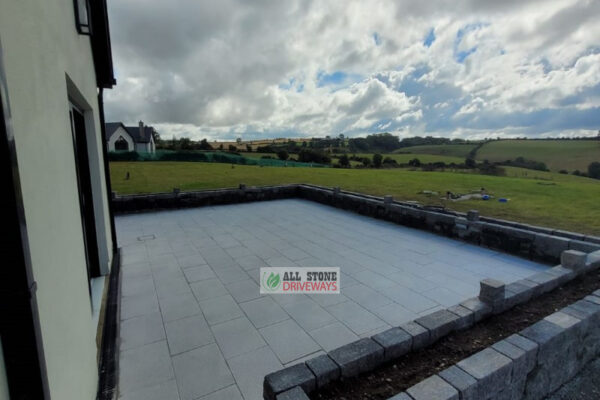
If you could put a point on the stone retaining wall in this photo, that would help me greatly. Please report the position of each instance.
(505, 365)
(528, 365)
(542, 244)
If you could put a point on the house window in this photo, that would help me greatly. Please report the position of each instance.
(121, 144)
(82, 16)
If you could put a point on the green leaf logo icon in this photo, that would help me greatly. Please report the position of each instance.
(272, 282)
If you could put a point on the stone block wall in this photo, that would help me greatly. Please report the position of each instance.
(542, 244)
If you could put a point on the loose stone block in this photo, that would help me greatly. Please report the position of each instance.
(324, 369)
(491, 369)
(473, 215)
(420, 335)
(433, 388)
(479, 308)
(356, 357)
(395, 342)
(491, 291)
(285, 379)
(293, 394)
(529, 347)
(466, 317)
(463, 382)
(573, 259)
(439, 323)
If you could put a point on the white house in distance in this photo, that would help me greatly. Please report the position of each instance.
(130, 138)
(58, 255)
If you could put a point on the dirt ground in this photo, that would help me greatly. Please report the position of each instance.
(410, 369)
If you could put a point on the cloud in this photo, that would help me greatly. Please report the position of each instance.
(265, 68)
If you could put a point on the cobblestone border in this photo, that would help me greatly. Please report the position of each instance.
(534, 242)
(538, 359)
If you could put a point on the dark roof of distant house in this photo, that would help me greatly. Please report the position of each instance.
(134, 131)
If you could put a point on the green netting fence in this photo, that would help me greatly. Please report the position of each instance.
(206, 156)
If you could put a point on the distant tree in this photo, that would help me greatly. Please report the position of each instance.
(238, 140)
(415, 162)
(304, 143)
(344, 160)
(366, 162)
(594, 170)
(232, 148)
(377, 159)
(221, 146)
(470, 163)
(204, 145)
(185, 144)
(563, 171)
(249, 148)
(283, 155)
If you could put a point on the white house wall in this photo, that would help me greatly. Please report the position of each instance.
(41, 48)
(116, 135)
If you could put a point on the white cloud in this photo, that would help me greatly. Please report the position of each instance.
(230, 68)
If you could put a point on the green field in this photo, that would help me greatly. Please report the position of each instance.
(453, 150)
(424, 158)
(542, 198)
(556, 154)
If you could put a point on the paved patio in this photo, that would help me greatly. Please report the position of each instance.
(194, 326)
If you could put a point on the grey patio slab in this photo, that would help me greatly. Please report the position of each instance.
(141, 330)
(229, 393)
(178, 306)
(237, 336)
(289, 341)
(249, 370)
(332, 336)
(263, 312)
(243, 291)
(220, 309)
(201, 371)
(208, 289)
(201, 273)
(144, 366)
(198, 273)
(309, 315)
(162, 391)
(188, 333)
(355, 317)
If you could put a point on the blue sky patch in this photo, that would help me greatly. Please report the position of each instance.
(429, 39)
(376, 39)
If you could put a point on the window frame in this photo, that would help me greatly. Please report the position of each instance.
(83, 29)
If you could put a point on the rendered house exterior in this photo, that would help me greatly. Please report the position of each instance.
(58, 242)
(130, 138)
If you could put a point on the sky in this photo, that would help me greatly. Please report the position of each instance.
(471, 69)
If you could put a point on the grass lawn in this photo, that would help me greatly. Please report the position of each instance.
(453, 150)
(424, 158)
(542, 198)
(556, 154)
